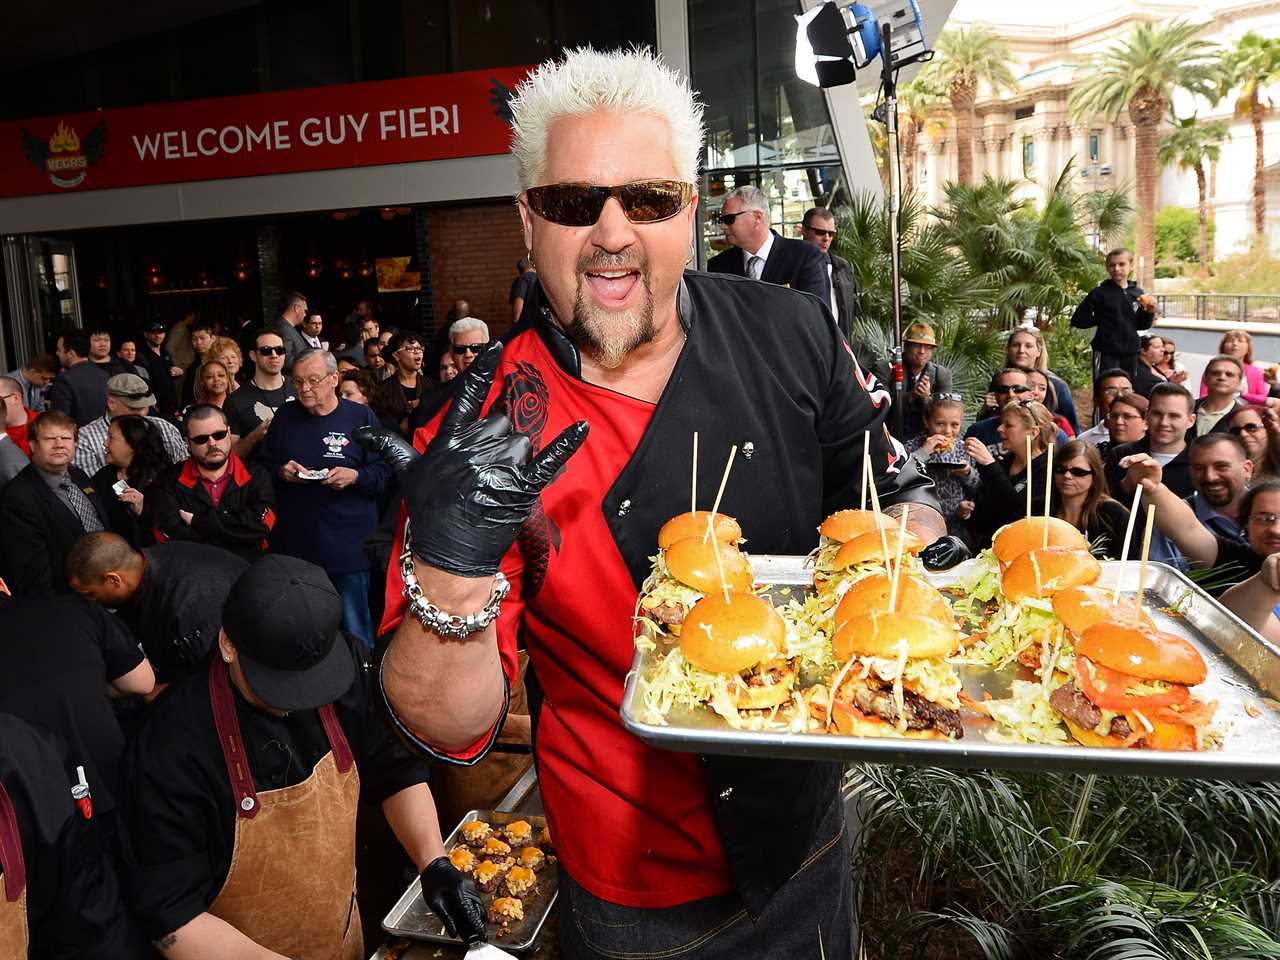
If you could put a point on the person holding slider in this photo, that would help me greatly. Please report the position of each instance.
(244, 782)
(520, 523)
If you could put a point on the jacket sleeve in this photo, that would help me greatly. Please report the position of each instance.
(811, 273)
(373, 473)
(1086, 315)
(60, 397)
(249, 522)
(28, 565)
(160, 510)
(1067, 405)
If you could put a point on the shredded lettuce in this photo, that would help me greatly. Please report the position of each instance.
(1026, 717)
(935, 680)
(677, 682)
(809, 629)
(1012, 627)
(983, 582)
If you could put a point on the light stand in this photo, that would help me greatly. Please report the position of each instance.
(890, 106)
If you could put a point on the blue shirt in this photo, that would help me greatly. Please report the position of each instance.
(317, 523)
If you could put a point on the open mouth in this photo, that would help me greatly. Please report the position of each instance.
(613, 288)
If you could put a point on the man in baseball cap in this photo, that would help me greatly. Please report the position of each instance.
(258, 763)
(161, 368)
(922, 377)
(127, 395)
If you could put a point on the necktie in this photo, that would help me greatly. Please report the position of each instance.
(755, 265)
(81, 507)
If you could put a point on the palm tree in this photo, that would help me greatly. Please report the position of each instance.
(1190, 144)
(1252, 65)
(1140, 74)
(963, 59)
(918, 100)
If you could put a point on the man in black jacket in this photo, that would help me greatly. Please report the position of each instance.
(213, 497)
(1119, 310)
(80, 390)
(46, 508)
(622, 337)
(161, 369)
(819, 229)
(170, 595)
(759, 253)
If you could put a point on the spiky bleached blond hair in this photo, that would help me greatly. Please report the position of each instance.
(586, 81)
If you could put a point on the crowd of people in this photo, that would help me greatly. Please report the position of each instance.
(259, 539)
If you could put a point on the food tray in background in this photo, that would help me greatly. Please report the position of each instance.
(411, 917)
(1244, 677)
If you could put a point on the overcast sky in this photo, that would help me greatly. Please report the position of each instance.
(1026, 11)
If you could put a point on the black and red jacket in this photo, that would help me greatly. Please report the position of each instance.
(241, 522)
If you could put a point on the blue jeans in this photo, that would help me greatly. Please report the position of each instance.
(354, 590)
(816, 902)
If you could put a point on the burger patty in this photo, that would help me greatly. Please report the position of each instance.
(921, 713)
(1083, 712)
(668, 613)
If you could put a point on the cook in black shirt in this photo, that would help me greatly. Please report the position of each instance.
(285, 694)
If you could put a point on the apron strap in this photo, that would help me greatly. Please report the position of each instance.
(15, 868)
(337, 739)
(229, 739)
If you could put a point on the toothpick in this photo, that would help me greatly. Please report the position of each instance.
(1029, 492)
(897, 563)
(715, 508)
(724, 584)
(866, 467)
(1048, 491)
(884, 540)
(1146, 550)
(693, 485)
(1128, 542)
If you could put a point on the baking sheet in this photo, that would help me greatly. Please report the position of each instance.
(1244, 677)
(411, 917)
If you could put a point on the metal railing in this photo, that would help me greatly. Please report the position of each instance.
(1227, 307)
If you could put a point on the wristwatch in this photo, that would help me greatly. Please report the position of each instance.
(432, 617)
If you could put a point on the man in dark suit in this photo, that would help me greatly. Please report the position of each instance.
(80, 390)
(819, 229)
(763, 255)
(46, 508)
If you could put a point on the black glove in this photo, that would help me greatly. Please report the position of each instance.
(944, 553)
(452, 896)
(476, 484)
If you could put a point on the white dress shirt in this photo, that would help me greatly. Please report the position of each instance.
(762, 253)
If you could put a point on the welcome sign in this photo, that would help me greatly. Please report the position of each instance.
(320, 128)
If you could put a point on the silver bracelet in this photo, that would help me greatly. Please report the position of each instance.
(432, 617)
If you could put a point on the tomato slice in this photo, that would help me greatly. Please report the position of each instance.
(1107, 689)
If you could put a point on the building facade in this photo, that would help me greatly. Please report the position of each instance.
(1028, 133)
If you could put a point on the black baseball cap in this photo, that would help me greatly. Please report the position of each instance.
(283, 616)
(152, 326)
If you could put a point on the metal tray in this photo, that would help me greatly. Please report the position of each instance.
(411, 917)
(1244, 677)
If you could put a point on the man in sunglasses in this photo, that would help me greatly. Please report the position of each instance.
(213, 497)
(1008, 386)
(819, 228)
(467, 337)
(656, 848)
(250, 409)
(761, 254)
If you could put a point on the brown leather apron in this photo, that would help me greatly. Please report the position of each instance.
(13, 905)
(292, 883)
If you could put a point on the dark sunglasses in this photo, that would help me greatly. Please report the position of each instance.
(470, 347)
(1245, 428)
(728, 218)
(270, 351)
(200, 439)
(580, 204)
(1078, 472)
(1011, 389)
(830, 234)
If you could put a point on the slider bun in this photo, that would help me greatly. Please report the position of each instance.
(729, 637)
(844, 525)
(1143, 653)
(1079, 608)
(693, 563)
(872, 594)
(1014, 539)
(880, 635)
(1042, 573)
(685, 525)
(868, 546)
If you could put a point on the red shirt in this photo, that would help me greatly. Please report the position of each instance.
(215, 488)
(632, 824)
(19, 435)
